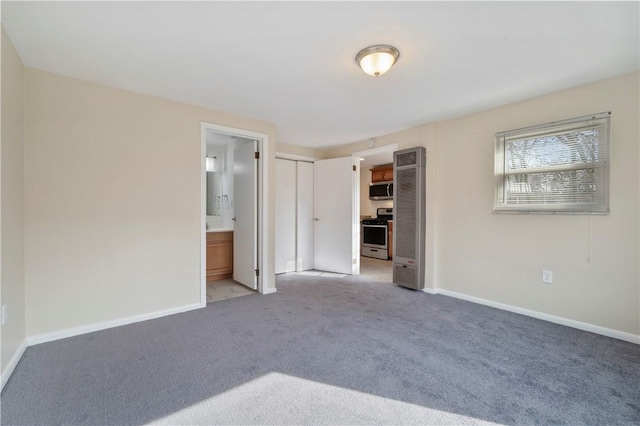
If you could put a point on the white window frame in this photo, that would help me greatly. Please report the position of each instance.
(558, 202)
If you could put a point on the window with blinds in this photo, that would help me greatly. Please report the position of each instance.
(559, 167)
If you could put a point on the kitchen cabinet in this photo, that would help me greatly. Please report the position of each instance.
(382, 173)
(390, 239)
(219, 255)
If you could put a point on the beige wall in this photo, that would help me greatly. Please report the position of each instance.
(500, 258)
(112, 186)
(12, 203)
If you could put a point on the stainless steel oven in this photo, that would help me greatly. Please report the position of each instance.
(374, 241)
(375, 235)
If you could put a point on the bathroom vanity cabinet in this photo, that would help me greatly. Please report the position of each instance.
(219, 255)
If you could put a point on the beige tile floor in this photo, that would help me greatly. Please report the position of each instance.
(376, 269)
(226, 289)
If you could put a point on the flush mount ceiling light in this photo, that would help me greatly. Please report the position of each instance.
(378, 59)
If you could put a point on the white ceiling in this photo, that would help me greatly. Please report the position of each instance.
(292, 64)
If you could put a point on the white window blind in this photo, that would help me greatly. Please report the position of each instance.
(558, 167)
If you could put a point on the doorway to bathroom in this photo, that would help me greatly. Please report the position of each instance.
(233, 180)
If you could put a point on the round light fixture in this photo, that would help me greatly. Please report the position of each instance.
(378, 59)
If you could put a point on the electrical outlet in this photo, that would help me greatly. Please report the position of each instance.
(547, 276)
(4, 313)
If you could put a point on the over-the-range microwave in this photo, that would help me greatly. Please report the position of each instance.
(381, 191)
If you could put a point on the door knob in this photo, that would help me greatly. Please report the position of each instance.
(233, 218)
(316, 219)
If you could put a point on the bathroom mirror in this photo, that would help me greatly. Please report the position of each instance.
(214, 194)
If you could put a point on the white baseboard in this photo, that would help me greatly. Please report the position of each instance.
(13, 362)
(75, 331)
(269, 290)
(430, 290)
(621, 335)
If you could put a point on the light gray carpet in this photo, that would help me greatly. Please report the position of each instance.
(325, 350)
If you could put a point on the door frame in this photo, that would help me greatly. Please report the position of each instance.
(262, 205)
(359, 154)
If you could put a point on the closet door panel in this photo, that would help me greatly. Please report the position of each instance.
(285, 256)
(304, 260)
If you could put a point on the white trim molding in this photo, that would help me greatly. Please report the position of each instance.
(269, 290)
(616, 334)
(84, 329)
(13, 362)
(294, 157)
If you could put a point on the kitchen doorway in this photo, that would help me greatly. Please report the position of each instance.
(375, 213)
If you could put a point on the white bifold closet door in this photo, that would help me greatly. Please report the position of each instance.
(294, 216)
(286, 189)
(304, 255)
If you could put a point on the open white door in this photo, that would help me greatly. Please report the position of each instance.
(245, 246)
(336, 206)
